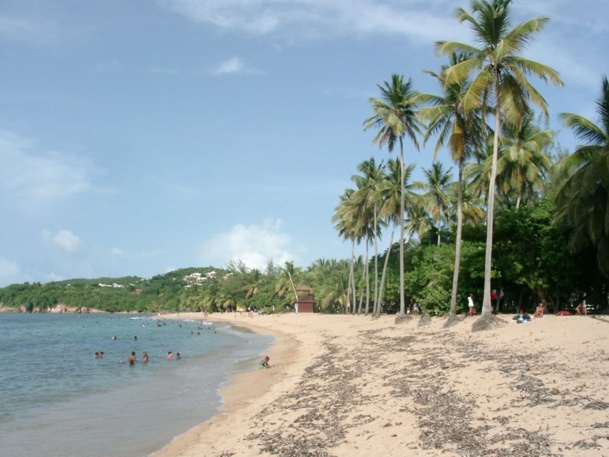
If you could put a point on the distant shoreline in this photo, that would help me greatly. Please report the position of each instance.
(61, 309)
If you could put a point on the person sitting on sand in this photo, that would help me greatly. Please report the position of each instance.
(264, 363)
(539, 310)
(581, 309)
(522, 317)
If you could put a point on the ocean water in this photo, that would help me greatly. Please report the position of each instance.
(57, 400)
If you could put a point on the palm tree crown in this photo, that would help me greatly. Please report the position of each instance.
(583, 191)
(395, 115)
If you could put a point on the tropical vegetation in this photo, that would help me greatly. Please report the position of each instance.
(522, 218)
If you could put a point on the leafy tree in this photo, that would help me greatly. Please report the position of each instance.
(523, 166)
(463, 132)
(395, 117)
(582, 196)
(500, 74)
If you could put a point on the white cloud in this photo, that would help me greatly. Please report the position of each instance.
(65, 240)
(117, 252)
(254, 245)
(231, 66)
(420, 20)
(40, 176)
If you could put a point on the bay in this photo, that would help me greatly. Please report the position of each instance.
(57, 399)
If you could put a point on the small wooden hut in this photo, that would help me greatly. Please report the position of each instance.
(306, 300)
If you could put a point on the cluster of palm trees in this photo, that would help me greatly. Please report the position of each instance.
(484, 117)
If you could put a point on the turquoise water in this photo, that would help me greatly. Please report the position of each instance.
(56, 399)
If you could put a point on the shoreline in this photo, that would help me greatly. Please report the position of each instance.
(243, 389)
(345, 385)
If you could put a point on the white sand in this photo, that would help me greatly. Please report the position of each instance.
(356, 386)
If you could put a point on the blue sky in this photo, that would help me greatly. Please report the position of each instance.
(141, 136)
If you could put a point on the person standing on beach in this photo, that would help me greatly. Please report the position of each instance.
(470, 305)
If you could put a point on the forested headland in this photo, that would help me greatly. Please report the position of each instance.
(532, 263)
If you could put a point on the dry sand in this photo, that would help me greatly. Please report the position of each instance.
(357, 386)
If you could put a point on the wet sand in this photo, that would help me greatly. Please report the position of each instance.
(357, 386)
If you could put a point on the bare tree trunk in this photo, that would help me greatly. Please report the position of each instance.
(361, 294)
(376, 261)
(487, 319)
(402, 210)
(367, 273)
(452, 317)
(353, 277)
(382, 285)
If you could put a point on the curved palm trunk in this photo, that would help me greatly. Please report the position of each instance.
(361, 294)
(376, 261)
(367, 276)
(487, 310)
(402, 210)
(382, 285)
(455, 288)
(351, 283)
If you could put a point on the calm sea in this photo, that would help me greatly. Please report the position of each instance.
(57, 400)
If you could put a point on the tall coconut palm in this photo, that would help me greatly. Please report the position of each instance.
(395, 117)
(254, 279)
(523, 165)
(345, 220)
(500, 75)
(369, 194)
(583, 192)
(462, 131)
(284, 285)
(436, 198)
(472, 204)
(391, 191)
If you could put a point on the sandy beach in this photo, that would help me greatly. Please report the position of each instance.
(357, 386)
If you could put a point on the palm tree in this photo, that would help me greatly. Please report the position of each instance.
(369, 195)
(344, 220)
(253, 279)
(334, 287)
(472, 204)
(463, 132)
(500, 75)
(436, 199)
(285, 281)
(395, 118)
(391, 191)
(523, 165)
(583, 192)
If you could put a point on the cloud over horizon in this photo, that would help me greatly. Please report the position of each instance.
(254, 245)
(40, 176)
(65, 240)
